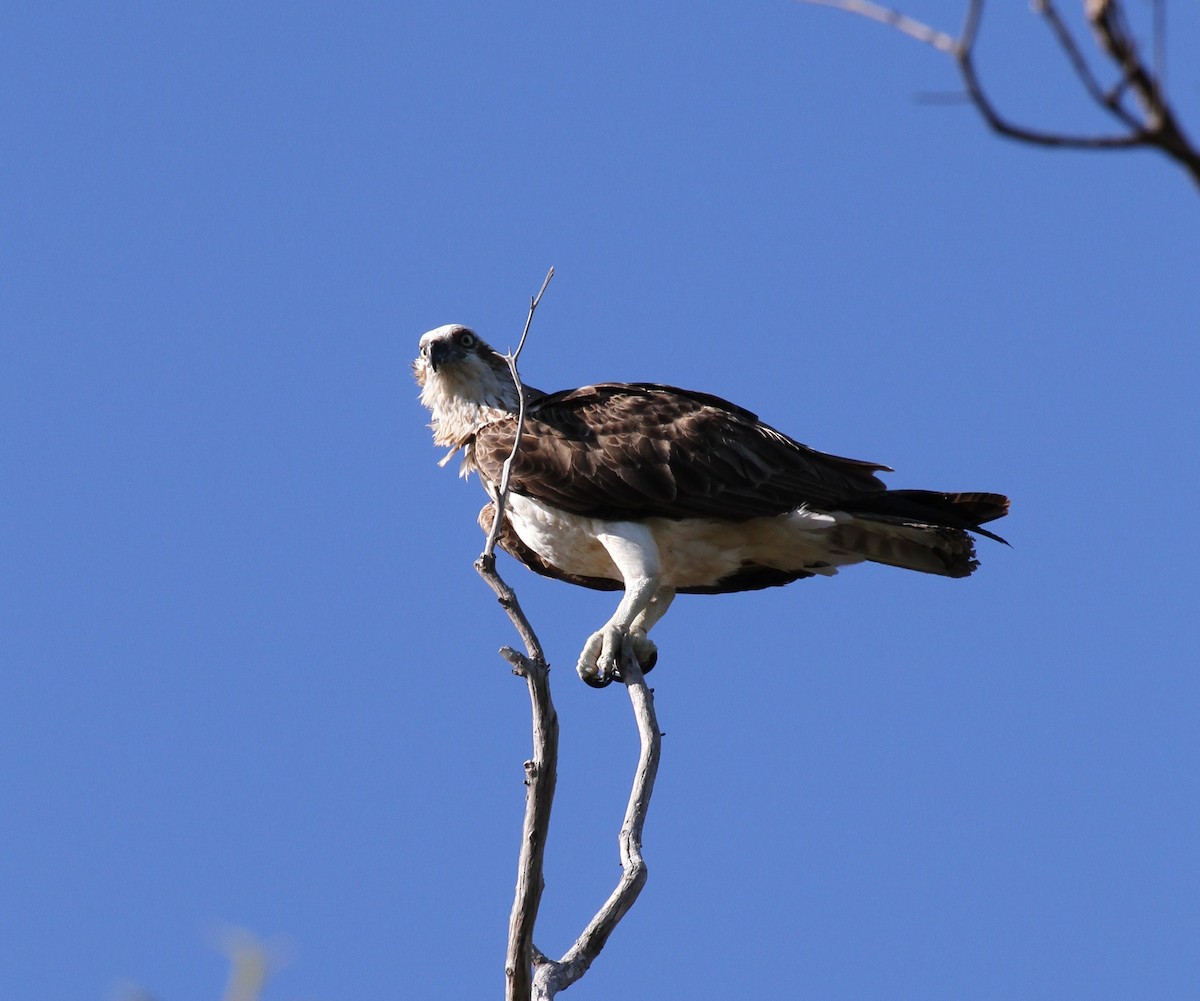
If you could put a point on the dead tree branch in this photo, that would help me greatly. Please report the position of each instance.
(501, 498)
(550, 977)
(1150, 123)
(528, 972)
(541, 771)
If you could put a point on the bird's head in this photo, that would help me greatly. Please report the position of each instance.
(464, 382)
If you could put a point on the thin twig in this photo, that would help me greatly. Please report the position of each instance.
(1066, 42)
(501, 497)
(893, 18)
(1160, 42)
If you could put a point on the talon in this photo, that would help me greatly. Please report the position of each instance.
(645, 651)
(599, 664)
(591, 662)
(588, 666)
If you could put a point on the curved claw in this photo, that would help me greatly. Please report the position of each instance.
(596, 662)
(596, 681)
(600, 663)
(645, 650)
(646, 665)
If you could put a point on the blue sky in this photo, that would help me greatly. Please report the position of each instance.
(249, 673)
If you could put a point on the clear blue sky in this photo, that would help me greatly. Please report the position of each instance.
(249, 675)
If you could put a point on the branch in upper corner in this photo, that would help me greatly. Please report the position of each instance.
(1083, 71)
(894, 19)
(1161, 128)
(1157, 127)
(964, 56)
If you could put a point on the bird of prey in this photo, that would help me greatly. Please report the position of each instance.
(656, 491)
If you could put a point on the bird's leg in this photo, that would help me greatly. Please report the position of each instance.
(632, 548)
(643, 647)
(601, 657)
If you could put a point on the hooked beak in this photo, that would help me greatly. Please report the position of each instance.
(441, 352)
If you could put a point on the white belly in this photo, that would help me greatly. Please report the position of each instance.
(695, 552)
(568, 541)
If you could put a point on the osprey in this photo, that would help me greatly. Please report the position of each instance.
(657, 491)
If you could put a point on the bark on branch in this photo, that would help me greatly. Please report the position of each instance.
(552, 976)
(530, 974)
(1148, 122)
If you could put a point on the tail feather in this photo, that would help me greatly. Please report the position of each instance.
(921, 530)
(931, 507)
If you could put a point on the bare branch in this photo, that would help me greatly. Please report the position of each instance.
(893, 18)
(1162, 129)
(1066, 41)
(533, 304)
(528, 971)
(1160, 41)
(964, 56)
(1157, 127)
(506, 472)
(501, 498)
(541, 777)
(551, 977)
(541, 771)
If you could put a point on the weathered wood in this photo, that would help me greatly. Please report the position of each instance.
(528, 972)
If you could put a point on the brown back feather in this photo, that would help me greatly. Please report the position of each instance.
(639, 450)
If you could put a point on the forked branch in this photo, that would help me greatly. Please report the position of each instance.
(552, 976)
(528, 972)
(1148, 122)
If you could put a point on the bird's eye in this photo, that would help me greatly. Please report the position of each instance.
(466, 339)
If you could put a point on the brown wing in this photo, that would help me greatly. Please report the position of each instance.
(627, 451)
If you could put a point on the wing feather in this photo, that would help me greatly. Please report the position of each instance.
(623, 451)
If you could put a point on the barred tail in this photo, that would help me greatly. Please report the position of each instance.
(921, 529)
